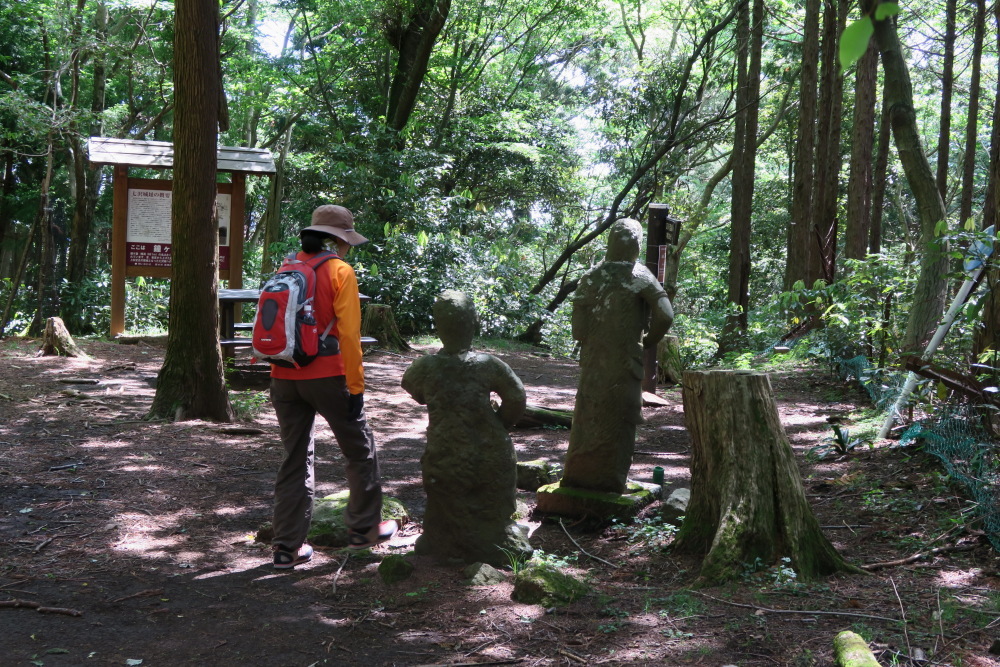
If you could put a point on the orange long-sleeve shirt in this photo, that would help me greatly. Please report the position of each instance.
(336, 296)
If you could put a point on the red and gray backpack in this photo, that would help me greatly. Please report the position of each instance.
(285, 332)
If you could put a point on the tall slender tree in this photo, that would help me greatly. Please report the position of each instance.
(191, 384)
(947, 88)
(859, 184)
(750, 33)
(931, 289)
(823, 227)
(972, 122)
(801, 242)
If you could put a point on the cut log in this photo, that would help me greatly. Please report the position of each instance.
(57, 341)
(851, 650)
(747, 501)
(536, 417)
(378, 322)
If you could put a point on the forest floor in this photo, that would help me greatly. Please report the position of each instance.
(136, 539)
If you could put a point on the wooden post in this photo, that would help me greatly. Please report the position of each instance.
(119, 230)
(236, 215)
(747, 501)
(656, 228)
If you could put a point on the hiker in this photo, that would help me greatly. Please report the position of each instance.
(333, 386)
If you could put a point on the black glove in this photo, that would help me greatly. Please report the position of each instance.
(355, 405)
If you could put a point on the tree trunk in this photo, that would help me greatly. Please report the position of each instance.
(859, 185)
(972, 124)
(987, 336)
(47, 303)
(6, 195)
(823, 228)
(749, 38)
(880, 180)
(75, 311)
(379, 323)
(272, 216)
(947, 86)
(800, 239)
(747, 500)
(191, 384)
(415, 42)
(930, 292)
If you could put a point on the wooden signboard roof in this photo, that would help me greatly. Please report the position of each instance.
(160, 155)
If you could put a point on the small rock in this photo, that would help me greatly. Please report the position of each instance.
(394, 568)
(675, 506)
(995, 647)
(483, 574)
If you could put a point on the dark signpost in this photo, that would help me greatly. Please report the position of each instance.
(661, 231)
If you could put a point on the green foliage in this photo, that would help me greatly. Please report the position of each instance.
(681, 604)
(840, 443)
(651, 534)
(147, 305)
(854, 40)
(248, 404)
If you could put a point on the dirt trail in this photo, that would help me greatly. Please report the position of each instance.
(138, 537)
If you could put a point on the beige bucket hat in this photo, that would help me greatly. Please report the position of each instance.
(337, 221)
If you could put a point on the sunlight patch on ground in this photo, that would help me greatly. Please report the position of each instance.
(958, 578)
(113, 444)
(142, 468)
(229, 511)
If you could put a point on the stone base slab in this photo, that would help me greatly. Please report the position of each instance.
(581, 503)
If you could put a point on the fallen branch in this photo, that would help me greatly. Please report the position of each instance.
(28, 604)
(918, 556)
(808, 612)
(902, 613)
(571, 656)
(67, 465)
(333, 585)
(600, 560)
(141, 594)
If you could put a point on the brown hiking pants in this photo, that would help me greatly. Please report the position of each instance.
(296, 404)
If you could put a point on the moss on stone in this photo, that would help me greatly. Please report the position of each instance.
(571, 501)
(395, 568)
(544, 584)
(328, 528)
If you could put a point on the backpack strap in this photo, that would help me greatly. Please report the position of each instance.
(314, 263)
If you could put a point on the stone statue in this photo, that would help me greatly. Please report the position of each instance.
(469, 466)
(619, 309)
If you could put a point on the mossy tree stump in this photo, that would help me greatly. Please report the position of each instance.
(747, 500)
(58, 341)
(669, 366)
(378, 322)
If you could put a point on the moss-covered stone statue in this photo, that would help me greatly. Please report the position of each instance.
(619, 309)
(469, 466)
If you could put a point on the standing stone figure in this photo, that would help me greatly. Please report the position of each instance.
(469, 466)
(619, 309)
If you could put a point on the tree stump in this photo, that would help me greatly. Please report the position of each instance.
(378, 322)
(668, 361)
(57, 341)
(747, 501)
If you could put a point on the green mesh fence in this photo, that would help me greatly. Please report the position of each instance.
(954, 434)
(970, 458)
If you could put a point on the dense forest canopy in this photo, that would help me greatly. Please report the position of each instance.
(487, 146)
